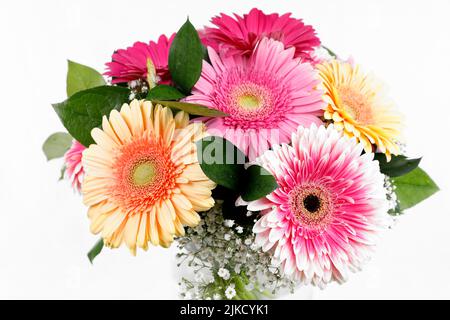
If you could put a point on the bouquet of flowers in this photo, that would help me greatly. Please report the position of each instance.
(269, 160)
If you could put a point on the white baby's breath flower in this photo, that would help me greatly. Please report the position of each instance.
(209, 278)
(198, 229)
(204, 250)
(211, 216)
(228, 223)
(273, 270)
(198, 277)
(230, 292)
(224, 273)
(133, 84)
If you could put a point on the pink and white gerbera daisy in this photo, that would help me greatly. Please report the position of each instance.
(131, 63)
(74, 167)
(240, 35)
(323, 219)
(267, 96)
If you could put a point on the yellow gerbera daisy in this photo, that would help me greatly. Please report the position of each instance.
(357, 106)
(143, 181)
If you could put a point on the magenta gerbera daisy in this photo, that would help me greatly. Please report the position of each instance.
(131, 63)
(323, 219)
(239, 35)
(267, 96)
(74, 168)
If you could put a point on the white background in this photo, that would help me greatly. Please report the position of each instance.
(44, 233)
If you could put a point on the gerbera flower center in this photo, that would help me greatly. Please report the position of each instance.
(249, 97)
(312, 205)
(143, 174)
(249, 101)
(252, 99)
(356, 104)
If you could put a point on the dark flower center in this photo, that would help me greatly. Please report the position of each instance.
(311, 203)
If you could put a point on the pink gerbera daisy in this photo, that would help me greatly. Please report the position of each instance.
(240, 35)
(74, 167)
(131, 63)
(323, 219)
(267, 96)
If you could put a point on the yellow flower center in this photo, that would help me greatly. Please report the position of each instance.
(249, 101)
(143, 174)
(356, 105)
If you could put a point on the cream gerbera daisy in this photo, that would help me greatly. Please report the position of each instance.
(143, 182)
(357, 106)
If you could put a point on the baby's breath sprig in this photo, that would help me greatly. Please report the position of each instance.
(225, 262)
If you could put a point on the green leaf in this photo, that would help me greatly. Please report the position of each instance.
(205, 54)
(222, 162)
(95, 251)
(259, 183)
(330, 52)
(191, 108)
(413, 188)
(62, 172)
(164, 92)
(186, 57)
(81, 77)
(398, 166)
(57, 145)
(83, 111)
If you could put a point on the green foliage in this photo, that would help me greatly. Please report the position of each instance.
(83, 111)
(95, 251)
(186, 57)
(259, 183)
(223, 163)
(191, 108)
(164, 92)
(398, 166)
(413, 187)
(330, 52)
(81, 77)
(57, 145)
